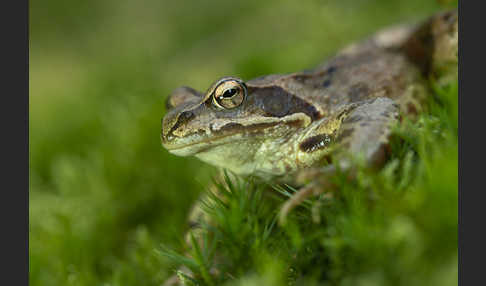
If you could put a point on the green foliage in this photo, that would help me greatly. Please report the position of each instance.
(104, 195)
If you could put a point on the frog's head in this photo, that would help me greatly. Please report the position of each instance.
(233, 121)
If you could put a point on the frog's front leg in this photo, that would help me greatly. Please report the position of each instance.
(363, 130)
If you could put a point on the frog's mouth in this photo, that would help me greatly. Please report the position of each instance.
(199, 142)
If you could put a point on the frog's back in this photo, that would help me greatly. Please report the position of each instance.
(392, 63)
(362, 74)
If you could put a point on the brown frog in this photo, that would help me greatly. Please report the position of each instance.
(276, 125)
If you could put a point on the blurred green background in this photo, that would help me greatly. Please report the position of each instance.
(103, 192)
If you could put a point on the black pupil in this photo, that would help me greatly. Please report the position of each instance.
(229, 92)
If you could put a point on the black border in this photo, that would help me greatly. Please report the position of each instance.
(14, 118)
(471, 237)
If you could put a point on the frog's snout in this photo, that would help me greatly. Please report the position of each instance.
(179, 104)
(166, 127)
(173, 124)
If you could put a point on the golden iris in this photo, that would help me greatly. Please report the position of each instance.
(229, 94)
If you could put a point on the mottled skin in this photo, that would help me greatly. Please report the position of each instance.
(344, 107)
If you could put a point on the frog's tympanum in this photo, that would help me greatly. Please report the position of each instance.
(275, 125)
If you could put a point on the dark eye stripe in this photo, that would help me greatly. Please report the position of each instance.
(183, 118)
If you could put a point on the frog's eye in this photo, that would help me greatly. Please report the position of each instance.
(229, 94)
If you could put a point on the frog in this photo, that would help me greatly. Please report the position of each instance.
(289, 127)
(277, 126)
